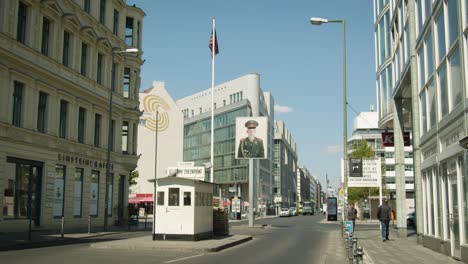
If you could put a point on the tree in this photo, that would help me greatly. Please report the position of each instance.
(362, 150)
(132, 179)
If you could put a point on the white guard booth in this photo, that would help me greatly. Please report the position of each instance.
(184, 209)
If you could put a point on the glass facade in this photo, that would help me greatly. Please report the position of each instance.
(197, 145)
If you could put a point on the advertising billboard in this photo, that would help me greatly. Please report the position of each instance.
(251, 138)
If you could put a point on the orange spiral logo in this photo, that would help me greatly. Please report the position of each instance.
(151, 104)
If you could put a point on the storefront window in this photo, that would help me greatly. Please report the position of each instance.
(59, 189)
(22, 190)
(464, 175)
(110, 195)
(187, 198)
(94, 194)
(78, 192)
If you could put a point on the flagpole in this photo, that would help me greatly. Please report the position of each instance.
(213, 53)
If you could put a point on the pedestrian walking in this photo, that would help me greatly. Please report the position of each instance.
(384, 215)
(352, 214)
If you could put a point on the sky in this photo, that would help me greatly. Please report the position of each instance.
(300, 64)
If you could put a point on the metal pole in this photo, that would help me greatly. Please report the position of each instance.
(62, 227)
(251, 193)
(89, 224)
(155, 171)
(213, 54)
(345, 122)
(109, 144)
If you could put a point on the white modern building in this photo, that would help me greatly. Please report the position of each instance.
(240, 97)
(421, 58)
(284, 166)
(59, 63)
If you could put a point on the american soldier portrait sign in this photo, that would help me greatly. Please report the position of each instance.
(251, 137)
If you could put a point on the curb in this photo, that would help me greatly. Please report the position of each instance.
(49, 243)
(229, 245)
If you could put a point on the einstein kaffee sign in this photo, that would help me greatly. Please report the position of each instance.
(371, 175)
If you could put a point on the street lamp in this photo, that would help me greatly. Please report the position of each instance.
(110, 137)
(319, 21)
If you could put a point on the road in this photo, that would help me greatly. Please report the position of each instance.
(300, 239)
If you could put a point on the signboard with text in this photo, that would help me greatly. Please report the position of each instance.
(371, 174)
(195, 172)
(388, 139)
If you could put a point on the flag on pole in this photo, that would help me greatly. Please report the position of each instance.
(215, 43)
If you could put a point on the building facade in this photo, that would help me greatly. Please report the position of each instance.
(421, 48)
(365, 127)
(284, 166)
(58, 64)
(303, 185)
(240, 97)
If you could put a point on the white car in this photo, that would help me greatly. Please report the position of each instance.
(285, 212)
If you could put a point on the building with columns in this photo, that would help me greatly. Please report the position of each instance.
(59, 62)
(421, 58)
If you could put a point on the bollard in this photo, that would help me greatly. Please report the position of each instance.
(89, 224)
(354, 244)
(358, 256)
(62, 229)
(146, 220)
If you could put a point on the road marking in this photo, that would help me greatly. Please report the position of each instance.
(179, 259)
(371, 261)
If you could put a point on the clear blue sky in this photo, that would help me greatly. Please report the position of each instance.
(299, 63)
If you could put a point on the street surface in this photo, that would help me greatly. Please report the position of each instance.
(299, 239)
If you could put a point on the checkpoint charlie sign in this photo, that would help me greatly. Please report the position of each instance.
(192, 172)
(371, 174)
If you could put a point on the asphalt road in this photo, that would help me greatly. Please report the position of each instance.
(300, 239)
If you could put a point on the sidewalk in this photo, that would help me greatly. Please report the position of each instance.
(396, 250)
(45, 238)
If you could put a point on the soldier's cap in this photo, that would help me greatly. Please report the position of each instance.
(251, 124)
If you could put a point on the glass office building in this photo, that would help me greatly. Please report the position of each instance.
(426, 93)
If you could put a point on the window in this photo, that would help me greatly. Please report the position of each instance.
(59, 191)
(201, 110)
(84, 58)
(126, 83)
(42, 112)
(63, 119)
(97, 130)
(116, 22)
(66, 49)
(443, 91)
(408, 167)
(110, 196)
(432, 104)
(187, 198)
(135, 137)
(423, 111)
(22, 19)
(429, 55)
(17, 103)
(125, 137)
(452, 20)
(87, 6)
(441, 35)
(99, 68)
(138, 44)
(102, 12)
(81, 124)
(173, 196)
(112, 135)
(456, 81)
(94, 194)
(160, 198)
(224, 102)
(422, 71)
(78, 192)
(45, 36)
(129, 31)
(193, 113)
(420, 15)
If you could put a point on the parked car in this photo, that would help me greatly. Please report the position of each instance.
(411, 220)
(293, 211)
(284, 212)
